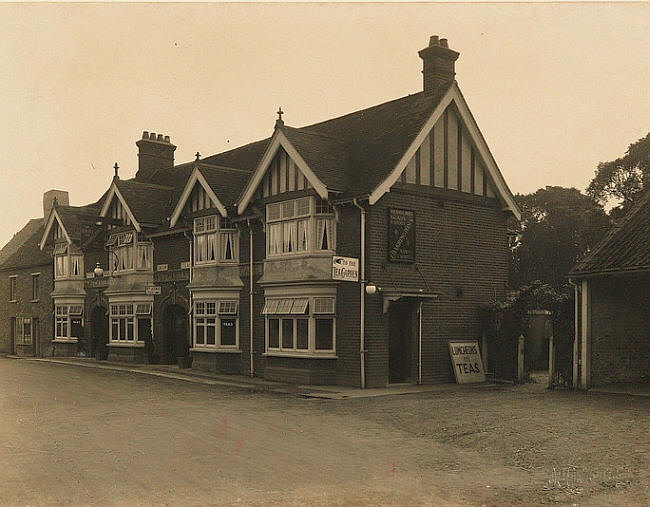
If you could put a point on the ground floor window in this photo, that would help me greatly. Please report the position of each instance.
(216, 324)
(304, 325)
(130, 322)
(67, 320)
(23, 331)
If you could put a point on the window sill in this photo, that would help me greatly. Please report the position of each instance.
(301, 355)
(214, 263)
(65, 340)
(34, 300)
(13, 300)
(135, 345)
(215, 350)
(300, 255)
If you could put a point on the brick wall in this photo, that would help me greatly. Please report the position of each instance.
(24, 307)
(461, 253)
(620, 329)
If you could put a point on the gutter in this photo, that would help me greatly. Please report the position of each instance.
(250, 292)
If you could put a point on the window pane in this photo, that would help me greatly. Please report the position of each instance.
(287, 333)
(288, 209)
(200, 332)
(210, 331)
(273, 211)
(302, 206)
(114, 329)
(200, 308)
(324, 334)
(323, 305)
(211, 308)
(228, 332)
(274, 333)
(302, 331)
(122, 329)
(130, 326)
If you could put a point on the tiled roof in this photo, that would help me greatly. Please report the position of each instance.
(29, 253)
(625, 248)
(79, 221)
(150, 203)
(19, 239)
(352, 153)
(227, 183)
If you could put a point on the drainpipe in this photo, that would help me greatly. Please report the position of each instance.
(362, 334)
(420, 343)
(191, 308)
(576, 331)
(250, 291)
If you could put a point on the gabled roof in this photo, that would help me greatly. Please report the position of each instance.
(77, 222)
(223, 185)
(145, 203)
(29, 252)
(20, 238)
(625, 248)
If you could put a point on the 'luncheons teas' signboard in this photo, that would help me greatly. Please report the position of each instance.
(401, 235)
(466, 362)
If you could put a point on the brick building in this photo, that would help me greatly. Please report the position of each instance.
(227, 261)
(612, 286)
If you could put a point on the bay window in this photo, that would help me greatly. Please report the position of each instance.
(302, 325)
(216, 324)
(130, 322)
(300, 225)
(130, 254)
(215, 240)
(66, 263)
(64, 314)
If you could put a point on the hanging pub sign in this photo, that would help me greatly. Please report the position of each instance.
(401, 235)
(466, 361)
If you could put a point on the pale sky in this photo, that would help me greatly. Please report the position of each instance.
(555, 88)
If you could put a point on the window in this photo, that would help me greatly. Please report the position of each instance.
(129, 254)
(35, 279)
(62, 322)
(290, 327)
(67, 264)
(216, 324)
(123, 319)
(27, 331)
(12, 288)
(18, 332)
(299, 225)
(215, 240)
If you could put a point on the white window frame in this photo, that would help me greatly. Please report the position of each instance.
(18, 331)
(297, 227)
(216, 310)
(294, 308)
(212, 233)
(127, 253)
(125, 311)
(68, 265)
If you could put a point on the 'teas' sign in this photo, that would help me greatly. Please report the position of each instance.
(466, 361)
(401, 235)
(345, 268)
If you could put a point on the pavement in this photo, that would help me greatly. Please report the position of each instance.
(257, 384)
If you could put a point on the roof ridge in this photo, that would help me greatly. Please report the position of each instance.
(303, 130)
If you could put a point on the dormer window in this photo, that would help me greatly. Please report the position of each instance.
(300, 226)
(215, 240)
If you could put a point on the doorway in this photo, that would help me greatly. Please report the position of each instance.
(176, 344)
(400, 340)
(99, 328)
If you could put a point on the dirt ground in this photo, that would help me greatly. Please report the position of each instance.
(80, 436)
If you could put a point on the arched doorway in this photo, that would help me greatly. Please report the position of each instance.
(176, 343)
(99, 328)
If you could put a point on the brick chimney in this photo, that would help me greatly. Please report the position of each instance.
(438, 65)
(62, 198)
(154, 152)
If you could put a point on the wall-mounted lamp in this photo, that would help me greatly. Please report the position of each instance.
(371, 289)
(98, 271)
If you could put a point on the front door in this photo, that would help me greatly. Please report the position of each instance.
(99, 328)
(175, 333)
(400, 340)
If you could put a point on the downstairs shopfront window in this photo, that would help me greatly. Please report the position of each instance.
(216, 324)
(130, 322)
(301, 325)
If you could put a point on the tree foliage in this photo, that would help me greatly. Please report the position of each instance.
(623, 179)
(559, 225)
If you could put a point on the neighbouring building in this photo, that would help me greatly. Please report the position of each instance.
(612, 289)
(25, 301)
(226, 262)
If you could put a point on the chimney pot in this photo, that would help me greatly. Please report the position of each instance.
(166, 139)
(160, 137)
(433, 41)
(444, 43)
(152, 136)
(145, 134)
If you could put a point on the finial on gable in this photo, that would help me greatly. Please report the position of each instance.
(279, 123)
(198, 156)
(117, 168)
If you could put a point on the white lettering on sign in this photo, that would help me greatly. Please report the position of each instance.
(466, 362)
(162, 267)
(185, 265)
(345, 269)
